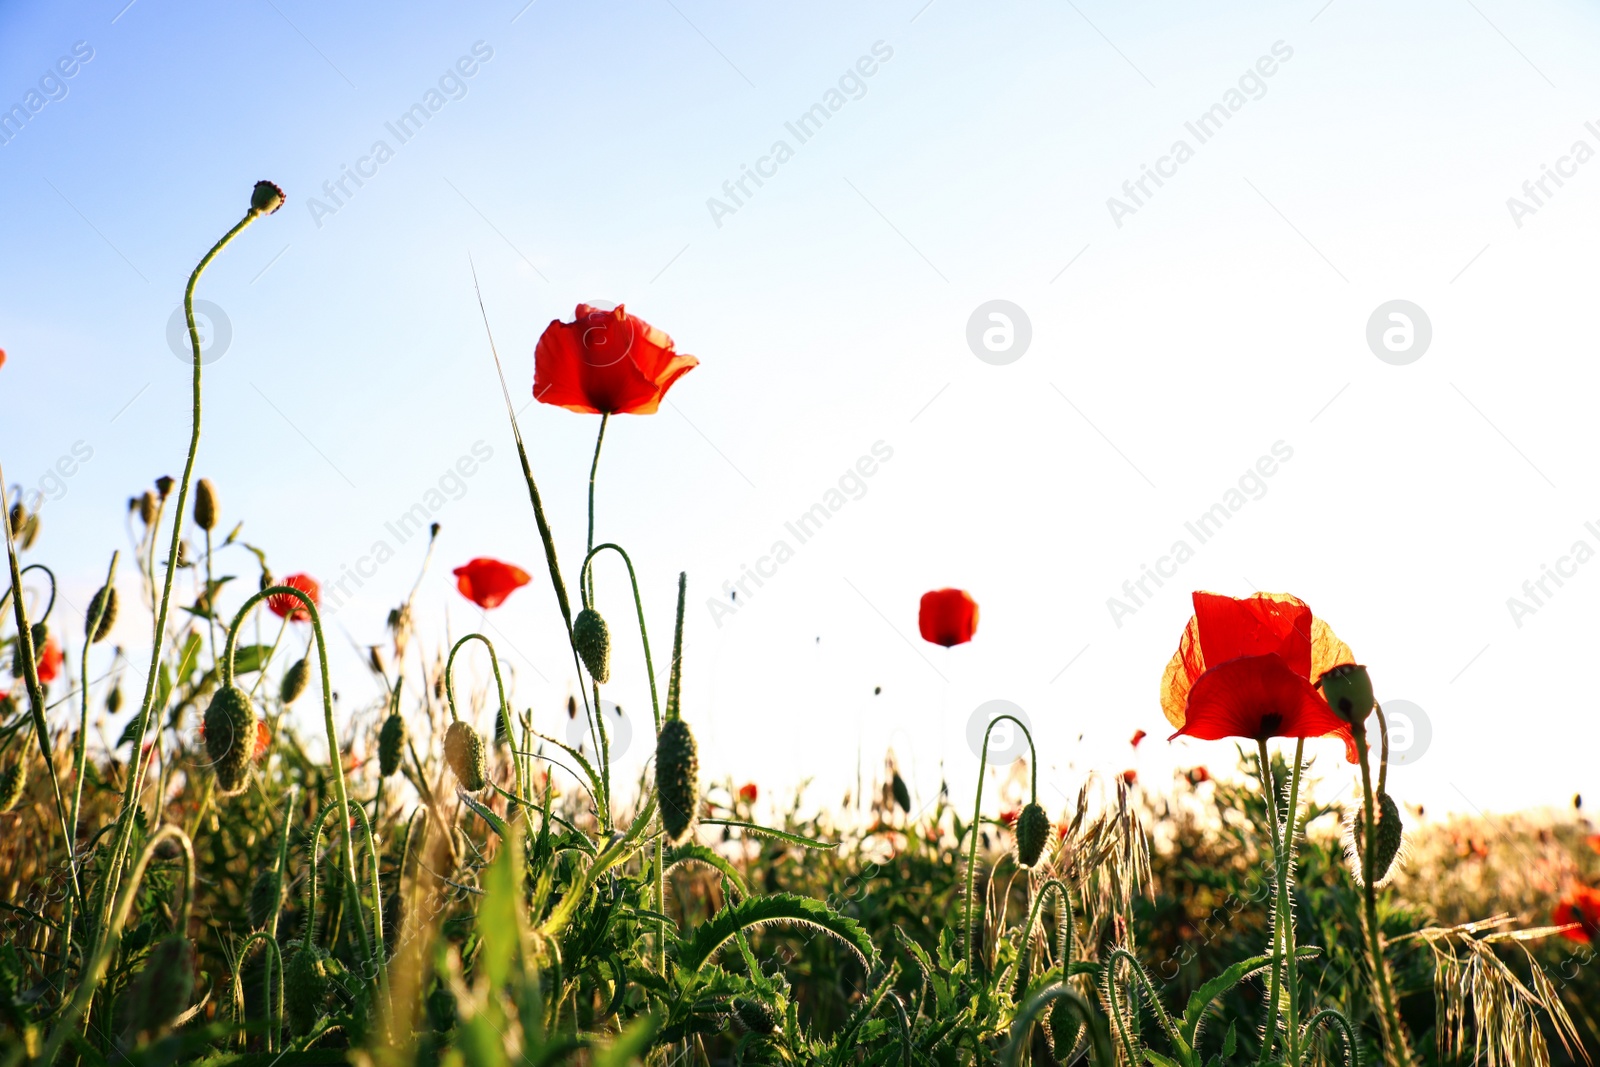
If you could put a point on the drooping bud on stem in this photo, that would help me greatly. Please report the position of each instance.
(391, 744)
(677, 760)
(592, 639)
(1032, 833)
(103, 606)
(464, 750)
(294, 681)
(230, 725)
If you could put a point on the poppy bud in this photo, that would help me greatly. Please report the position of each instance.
(306, 986)
(265, 198)
(163, 988)
(205, 504)
(19, 518)
(13, 779)
(391, 744)
(394, 917)
(755, 1016)
(593, 641)
(1386, 847)
(294, 681)
(114, 700)
(572, 707)
(147, 507)
(164, 486)
(1032, 831)
(104, 604)
(375, 659)
(230, 725)
(902, 795)
(464, 751)
(1348, 691)
(677, 779)
(1064, 1027)
(41, 634)
(266, 897)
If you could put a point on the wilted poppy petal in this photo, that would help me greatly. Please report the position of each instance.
(1255, 697)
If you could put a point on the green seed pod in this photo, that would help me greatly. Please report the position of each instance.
(294, 681)
(205, 504)
(1064, 1029)
(677, 779)
(104, 604)
(266, 897)
(147, 507)
(114, 700)
(265, 198)
(1387, 846)
(1348, 691)
(164, 485)
(19, 518)
(1032, 833)
(13, 779)
(230, 725)
(163, 988)
(306, 986)
(465, 752)
(394, 917)
(593, 641)
(391, 744)
(902, 794)
(755, 1016)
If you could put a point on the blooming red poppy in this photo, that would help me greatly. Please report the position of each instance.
(487, 582)
(606, 362)
(49, 661)
(1130, 777)
(1010, 816)
(1138, 735)
(748, 792)
(1245, 668)
(1583, 908)
(288, 606)
(948, 617)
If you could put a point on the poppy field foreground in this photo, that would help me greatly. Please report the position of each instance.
(404, 884)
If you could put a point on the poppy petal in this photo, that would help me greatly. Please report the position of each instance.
(1255, 697)
(1254, 626)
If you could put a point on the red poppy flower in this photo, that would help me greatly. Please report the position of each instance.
(1582, 907)
(1244, 668)
(49, 661)
(748, 792)
(947, 617)
(262, 743)
(487, 582)
(1593, 841)
(606, 362)
(2, 357)
(1130, 777)
(1010, 816)
(1198, 775)
(1138, 735)
(288, 606)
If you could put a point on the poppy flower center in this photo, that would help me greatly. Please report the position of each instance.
(1270, 724)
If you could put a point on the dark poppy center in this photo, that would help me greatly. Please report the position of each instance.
(1270, 723)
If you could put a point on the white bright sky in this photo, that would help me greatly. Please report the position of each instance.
(829, 312)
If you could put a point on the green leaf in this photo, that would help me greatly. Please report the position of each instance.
(498, 924)
(498, 824)
(1201, 999)
(767, 831)
(250, 658)
(780, 908)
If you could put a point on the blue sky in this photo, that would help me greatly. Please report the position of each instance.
(1172, 347)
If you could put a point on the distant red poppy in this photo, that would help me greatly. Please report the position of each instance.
(606, 362)
(288, 606)
(1245, 668)
(1198, 774)
(262, 743)
(748, 792)
(1010, 816)
(487, 582)
(947, 617)
(1130, 776)
(1593, 841)
(2, 357)
(1138, 735)
(1582, 907)
(49, 661)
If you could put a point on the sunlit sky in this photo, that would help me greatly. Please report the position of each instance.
(1222, 319)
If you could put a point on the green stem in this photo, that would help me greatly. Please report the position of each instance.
(281, 867)
(505, 709)
(1285, 877)
(605, 417)
(1118, 955)
(1396, 1047)
(1063, 935)
(274, 969)
(968, 952)
(80, 755)
(142, 718)
(1270, 794)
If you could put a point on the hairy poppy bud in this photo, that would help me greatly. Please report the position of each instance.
(114, 700)
(164, 486)
(677, 779)
(163, 988)
(19, 518)
(306, 986)
(902, 794)
(391, 744)
(205, 504)
(1348, 691)
(1032, 831)
(755, 1016)
(1064, 1028)
(266, 897)
(230, 724)
(593, 641)
(1386, 847)
(464, 751)
(265, 198)
(294, 681)
(147, 507)
(13, 779)
(103, 604)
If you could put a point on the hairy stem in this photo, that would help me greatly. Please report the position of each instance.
(969, 952)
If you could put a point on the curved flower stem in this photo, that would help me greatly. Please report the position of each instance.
(141, 721)
(49, 604)
(505, 709)
(1064, 934)
(274, 970)
(594, 467)
(1118, 955)
(1396, 1046)
(112, 938)
(1335, 1018)
(371, 946)
(281, 867)
(30, 673)
(969, 953)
